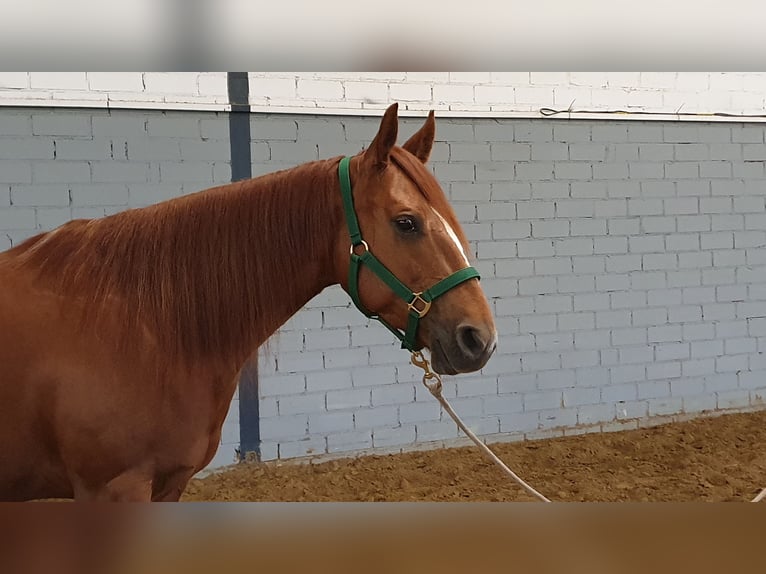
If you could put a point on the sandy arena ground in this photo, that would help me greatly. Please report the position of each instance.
(710, 459)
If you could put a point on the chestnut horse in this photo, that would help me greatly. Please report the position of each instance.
(122, 338)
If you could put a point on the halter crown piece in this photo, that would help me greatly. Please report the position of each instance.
(418, 303)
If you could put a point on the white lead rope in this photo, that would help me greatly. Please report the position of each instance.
(433, 383)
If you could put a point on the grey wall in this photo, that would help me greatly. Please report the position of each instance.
(625, 263)
(58, 164)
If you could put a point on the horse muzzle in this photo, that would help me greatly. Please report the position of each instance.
(465, 349)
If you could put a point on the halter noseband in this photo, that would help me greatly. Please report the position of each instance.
(418, 303)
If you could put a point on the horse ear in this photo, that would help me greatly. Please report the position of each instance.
(422, 141)
(380, 149)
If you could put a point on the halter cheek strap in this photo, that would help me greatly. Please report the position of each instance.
(418, 304)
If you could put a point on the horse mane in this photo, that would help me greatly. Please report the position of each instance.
(191, 269)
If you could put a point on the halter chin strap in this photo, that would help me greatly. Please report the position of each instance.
(418, 303)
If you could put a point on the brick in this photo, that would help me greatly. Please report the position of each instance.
(532, 171)
(610, 171)
(172, 127)
(303, 447)
(26, 148)
(591, 189)
(392, 394)
(61, 123)
(442, 93)
(575, 283)
(665, 406)
(645, 207)
(497, 249)
(682, 242)
(549, 151)
(628, 374)
(537, 323)
(681, 206)
(660, 261)
(395, 436)
(537, 285)
(284, 427)
(319, 381)
(629, 226)
(83, 149)
(103, 194)
(550, 228)
(557, 341)
(624, 189)
(588, 227)
(646, 244)
(419, 412)
(477, 387)
(592, 339)
(733, 399)
(301, 404)
(348, 399)
(325, 423)
(510, 151)
(649, 317)
(58, 80)
(510, 229)
(608, 319)
(399, 92)
(115, 81)
(558, 418)
(60, 171)
(350, 441)
(574, 208)
(365, 418)
(198, 173)
(17, 218)
(578, 246)
(747, 170)
(119, 126)
(652, 152)
(646, 170)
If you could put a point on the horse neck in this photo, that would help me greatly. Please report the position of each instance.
(210, 276)
(278, 234)
(295, 218)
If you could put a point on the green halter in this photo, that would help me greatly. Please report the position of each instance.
(418, 303)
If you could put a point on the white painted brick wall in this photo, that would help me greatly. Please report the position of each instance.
(638, 295)
(455, 93)
(153, 90)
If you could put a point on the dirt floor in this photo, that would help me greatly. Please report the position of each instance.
(710, 459)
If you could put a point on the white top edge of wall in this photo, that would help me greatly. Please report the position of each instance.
(644, 96)
(373, 112)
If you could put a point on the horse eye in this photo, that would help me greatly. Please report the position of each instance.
(406, 224)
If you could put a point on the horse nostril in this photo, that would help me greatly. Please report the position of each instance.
(471, 340)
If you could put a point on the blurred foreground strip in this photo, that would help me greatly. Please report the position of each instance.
(372, 538)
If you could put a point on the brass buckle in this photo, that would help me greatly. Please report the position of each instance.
(426, 305)
(363, 243)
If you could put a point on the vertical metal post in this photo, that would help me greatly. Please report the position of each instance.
(241, 168)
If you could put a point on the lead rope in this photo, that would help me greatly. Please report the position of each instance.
(433, 383)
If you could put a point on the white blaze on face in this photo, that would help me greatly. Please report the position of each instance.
(452, 235)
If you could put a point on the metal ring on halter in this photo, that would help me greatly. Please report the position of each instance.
(418, 312)
(354, 246)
